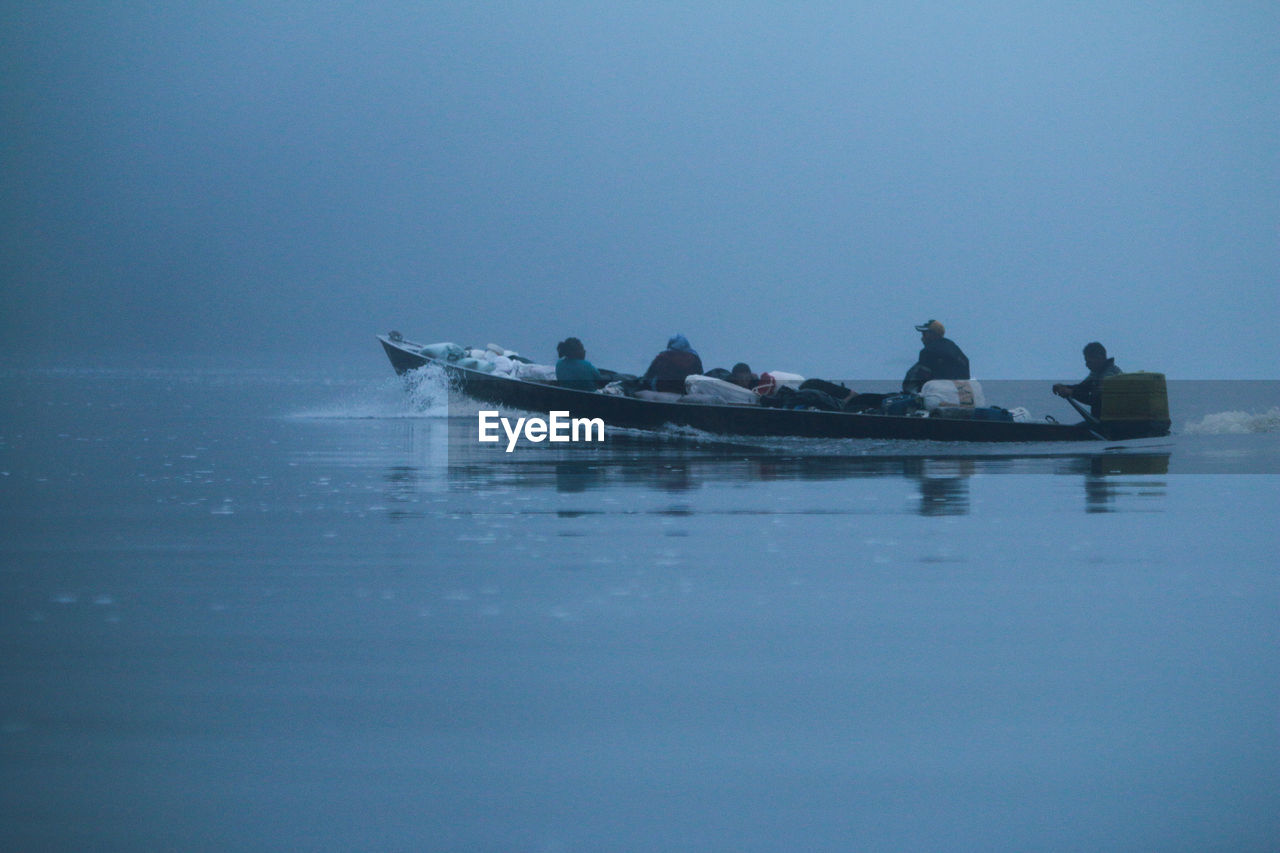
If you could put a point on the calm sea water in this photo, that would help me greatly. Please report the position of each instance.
(282, 610)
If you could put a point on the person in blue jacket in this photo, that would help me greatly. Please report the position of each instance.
(573, 370)
(669, 368)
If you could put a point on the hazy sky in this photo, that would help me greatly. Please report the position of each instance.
(793, 184)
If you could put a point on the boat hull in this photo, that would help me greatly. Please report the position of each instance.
(750, 420)
(402, 359)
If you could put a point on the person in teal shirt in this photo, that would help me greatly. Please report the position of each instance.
(573, 370)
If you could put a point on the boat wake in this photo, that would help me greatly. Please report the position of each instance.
(1236, 423)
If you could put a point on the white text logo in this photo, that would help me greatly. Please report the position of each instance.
(557, 427)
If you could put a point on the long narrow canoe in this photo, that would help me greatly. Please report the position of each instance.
(748, 420)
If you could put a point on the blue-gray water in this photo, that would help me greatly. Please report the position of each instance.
(278, 610)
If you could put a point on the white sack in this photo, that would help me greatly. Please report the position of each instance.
(658, 396)
(443, 351)
(536, 372)
(709, 386)
(952, 392)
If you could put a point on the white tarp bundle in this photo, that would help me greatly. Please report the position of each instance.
(952, 392)
(718, 389)
(444, 351)
(658, 396)
(492, 359)
(537, 372)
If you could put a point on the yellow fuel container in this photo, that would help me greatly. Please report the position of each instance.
(1135, 397)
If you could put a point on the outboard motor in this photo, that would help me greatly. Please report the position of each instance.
(1134, 404)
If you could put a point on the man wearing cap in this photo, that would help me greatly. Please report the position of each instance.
(1087, 391)
(940, 358)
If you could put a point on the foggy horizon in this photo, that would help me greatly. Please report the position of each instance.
(791, 187)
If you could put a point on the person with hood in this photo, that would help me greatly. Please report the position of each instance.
(742, 375)
(573, 370)
(1089, 389)
(669, 368)
(940, 358)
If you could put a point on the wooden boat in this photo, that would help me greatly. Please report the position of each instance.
(757, 420)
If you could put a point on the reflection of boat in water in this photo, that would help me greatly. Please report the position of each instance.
(631, 458)
(636, 461)
(545, 395)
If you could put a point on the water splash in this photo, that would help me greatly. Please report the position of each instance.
(427, 390)
(1236, 423)
(420, 393)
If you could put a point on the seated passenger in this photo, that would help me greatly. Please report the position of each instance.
(940, 358)
(1087, 390)
(670, 367)
(742, 375)
(573, 370)
(845, 398)
(840, 393)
